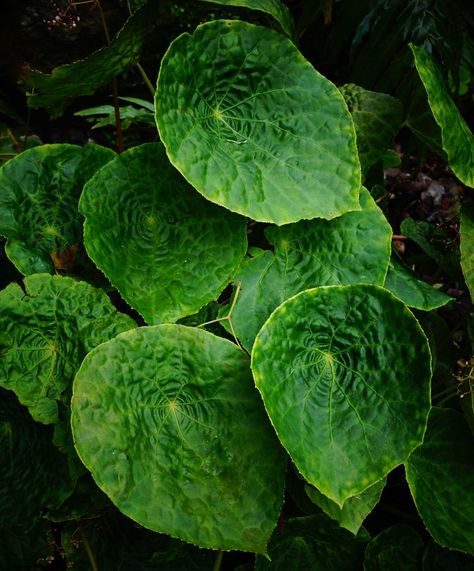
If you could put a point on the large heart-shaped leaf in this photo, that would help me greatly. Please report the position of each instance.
(169, 423)
(45, 332)
(254, 127)
(309, 254)
(344, 373)
(39, 191)
(440, 474)
(166, 249)
(458, 140)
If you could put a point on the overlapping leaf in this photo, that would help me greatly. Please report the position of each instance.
(440, 474)
(344, 373)
(467, 245)
(45, 332)
(169, 423)
(254, 127)
(458, 140)
(39, 192)
(398, 547)
(166, 249)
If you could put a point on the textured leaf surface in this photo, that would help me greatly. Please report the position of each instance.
(275, 8)
(56, 90)
(377, 118)
(45, 332)
(416, 293)
(33, 473)
(309, 254)
(440, 474)
(39, 191)
(166, 249)
(355, 508)
(467, 245)
(169, 423)
(314, 543)
(398, 547)
(344, 373)
(458, 140)
(254, 127)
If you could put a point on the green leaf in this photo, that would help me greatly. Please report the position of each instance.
(354, 509)
(309, 254)
(55, 91)
(31, 550)
(45, 332)
(314, 543)
(33, 473)
(169, 423)
(416, 293)
(458, 140)
(440, 474)
(166, 249)
(254, 127)
(377, 119)
(275, 8)
(336, 368)
(39, 191)
(398, 547)
(438, 559)
(467, 245)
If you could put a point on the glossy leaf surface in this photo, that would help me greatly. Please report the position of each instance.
(309, 254)
(169, 423)
(458, 140)
(314, 543)
(354, 510)
(344, 373)
(467, 245)
(254, 127)
(45, 332)
(440, 474)
(413, 292)
(377, 118)
(166, 249)
(39, 192)
(275, 8)
(398, 547)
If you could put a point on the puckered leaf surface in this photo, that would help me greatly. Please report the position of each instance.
(169, 423)
(309, 254)
(458, 140)
(254, 127)
(440, 474)
(33, 473)
(344, 373)
(398, 547)
(377, 119)
(39, 191)
(314, 543)
(413, 292)
(45, 332)
(274, 8)
(467, 245)
(166, 249)
(354, 510)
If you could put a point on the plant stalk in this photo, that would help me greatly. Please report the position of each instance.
(218, 561)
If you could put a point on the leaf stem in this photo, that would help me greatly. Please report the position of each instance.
(218, 561)
(89, 551)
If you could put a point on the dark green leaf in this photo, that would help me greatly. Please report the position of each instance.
(436, 558)
(467, 245)
(398, 547)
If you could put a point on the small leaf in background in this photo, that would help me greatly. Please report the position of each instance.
(33, 473)
(270, 137)
(169, 422)
(310, 254)
(313, 543)
(275, 8)
(436, 558)
(26, 550)
(458, 140)
(467, 245)
(344, 373)
(66, 82)
(396, 548)
(39, 192)
(166, 249)
(45, 332)
(403, 283)
(377, 118)
(354, 510)
(440, 474)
